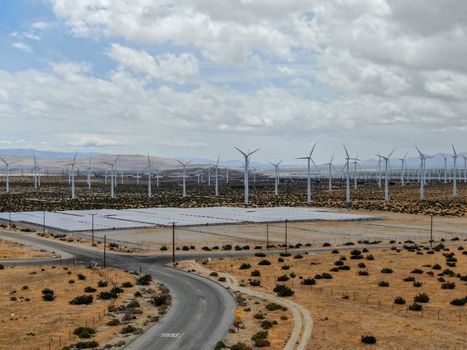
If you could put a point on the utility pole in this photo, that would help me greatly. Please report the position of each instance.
(286, 244)
(173, 242)
(92, 229)
(431, 231)
(105, 242)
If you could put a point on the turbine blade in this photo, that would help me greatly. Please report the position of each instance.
(238, 149)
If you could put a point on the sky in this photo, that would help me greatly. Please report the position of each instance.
(192, 78)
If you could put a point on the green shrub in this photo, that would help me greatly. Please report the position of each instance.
(326, 276)
(113, 322)
(399, 301)
(383, 283)
(309, 281)
(387, 270)
(273, 307)
(81, 277)
(298, 256)
(258, 317)
(102, 284)
(82, 300)
(421, 298)
(86, 344)
(283, 278)
(144, 280)
(160, 300)
(436, 267)
(415, 307)
(127, 285)
(368, 339)
(266, 324)
(255, 273)
(90, 289)
(260, 335)
(448, 285)
(370, 257)
(260, 254)
(417, 284)
(459, 301)
(240, 346)
(361, 265)
(219, 345)
(255, 283)
(245, 266)
(419, 271)
(84, 332)
(363, 273)
(264, 262)
(283, 291)
(409, 279)
(262, 343)
(128, 329)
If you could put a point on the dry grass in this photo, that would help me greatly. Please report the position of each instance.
(12, 250)
(27, 321)
(348, 306)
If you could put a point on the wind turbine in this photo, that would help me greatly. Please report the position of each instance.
(216, 178)
(227, 173)
(386, 174)
(184, 165)
(330, 173)
(379, 171)
(72, 164)
(454, 181)
(422, 173)
(89, 174)
(403, 169)
(149, 177)
(37, 181)
(7, 179)
(308, 180)
(276, 176)
(348, 200)
(465, 166)
(113, 178)
(355, 171)
(445, 157)
(246, 165)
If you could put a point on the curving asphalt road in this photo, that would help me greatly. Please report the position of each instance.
(202, 311)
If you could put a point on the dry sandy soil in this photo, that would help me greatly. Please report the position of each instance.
(12, 250)
(251, 306)
(27, 321)
(349, 305)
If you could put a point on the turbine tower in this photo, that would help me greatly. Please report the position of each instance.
(89, 174)
(403, 169)
(276, 176)
(422, 173)
(72, 174)
(246, 165)
(7, 179)
(356, 160)
(465, 166)
(113, 176)
(216, 177)
(386, 174)
(308, 179)
(445, 157)
(348, 200)
(330, 174)
(184, 165)
(454, 181)
(35, 169)
(149, 177)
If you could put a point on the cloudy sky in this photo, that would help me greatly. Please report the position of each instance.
(194, 77)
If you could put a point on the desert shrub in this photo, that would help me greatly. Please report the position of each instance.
(448, 285)
(133, 304)
(436, 267)
(240, 346)
(326, 244)
(298, 256)
(128, 329)
(344, 267)
(383, 283)
(463, 278)
(227, 247)
(163, 248)
(113, 322)
(71, 281)
(144, 280)
(309, 281)
(387, 270)
(361, 265)
(370, 257)
(48, 294)
(409, 279)
(84, 332)
(244, 266)
(160, 300)
(334, 269)
(459, 301)
(417, 284)
(258, 316)
(102, 284)
(335, 251)
(90, 289)
(260, 254)
(363, 273)
(419, 271)
(285, 267)
(273, 307)
(339, 263)
(255, 283)
(262, 343)
(415, 307)
(260, 335)
(449, 273)
(283, 278)
(283, 291)
(81, 300)
(421, 298)
(266, 324)
(86, 344)
(222, 279)
(399, 301)
(264, 262)
(326, 276)
(127, 285)
(81, 277)
(368, 339)
(255, 273)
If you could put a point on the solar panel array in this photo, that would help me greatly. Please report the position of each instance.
(107, 219)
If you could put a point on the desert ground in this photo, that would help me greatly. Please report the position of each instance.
(349, 305)
(28, 321)
(12, 250)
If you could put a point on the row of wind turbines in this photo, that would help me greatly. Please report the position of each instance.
(247, 155)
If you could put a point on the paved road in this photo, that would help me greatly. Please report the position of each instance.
(201, 313)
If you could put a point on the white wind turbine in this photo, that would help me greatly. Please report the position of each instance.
(184, 165)
(403, 169)
(276, 176)
(308, 179)
(149, 177)
(423, 158)
(113, 176)
(386, 174)
(465, 166)
(36, 169)
(379, 171)
(216, 177)
(7, 179)
(227, 173)
(454, 180)
(330, 173)
(72, 174)
(158, 176)
(348, 200)
(356, 160)
(246, 165)
(89, 174)
(445, 157)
